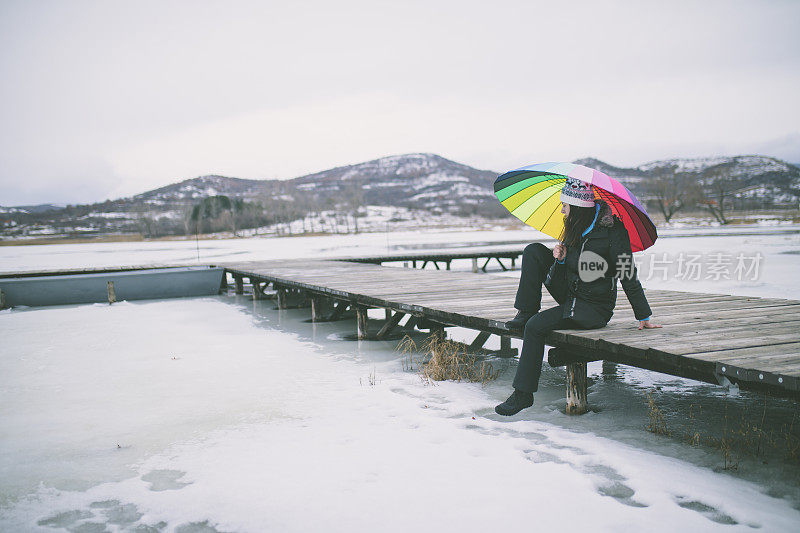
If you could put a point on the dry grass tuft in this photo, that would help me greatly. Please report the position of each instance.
(658, 423)
(441, 359)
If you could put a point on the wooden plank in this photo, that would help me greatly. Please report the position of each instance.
(495, 313)
(685, 333)
(480, 340)
(712, 326)
(756, 352)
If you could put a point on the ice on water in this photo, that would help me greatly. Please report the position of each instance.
(223, 414)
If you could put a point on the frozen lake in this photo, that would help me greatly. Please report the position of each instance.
(223, 414)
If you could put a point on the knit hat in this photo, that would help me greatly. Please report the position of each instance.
(576, 192)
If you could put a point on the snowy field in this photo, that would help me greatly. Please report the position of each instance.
(223, 414)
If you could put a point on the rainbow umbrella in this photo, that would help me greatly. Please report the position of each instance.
(533, 195)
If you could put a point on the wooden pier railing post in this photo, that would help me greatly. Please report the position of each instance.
(112, 295)
(474, 265)
(576, 389)
(361, 322)
(239, 284)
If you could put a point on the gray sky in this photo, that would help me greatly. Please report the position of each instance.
(106, 99)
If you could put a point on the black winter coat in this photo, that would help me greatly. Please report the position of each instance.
(585, 301)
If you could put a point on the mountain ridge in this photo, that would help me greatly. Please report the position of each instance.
(416, 181)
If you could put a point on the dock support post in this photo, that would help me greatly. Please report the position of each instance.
(317, 311)
(112, 295)
(258, 289)
(2, 299)
(223, 284)
(361, 322)
(474, 265)
(505, 346)
(448, 264)
(239, 284)
(576, 389)
(282, 297)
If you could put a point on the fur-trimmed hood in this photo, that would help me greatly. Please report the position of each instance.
(605, 217)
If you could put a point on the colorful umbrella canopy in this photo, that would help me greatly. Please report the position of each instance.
(533, 195)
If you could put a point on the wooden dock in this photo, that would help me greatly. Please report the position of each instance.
(751, 342)
(717, 338)
(477, 254)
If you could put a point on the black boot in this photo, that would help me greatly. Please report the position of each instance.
(519, 321)
(515, 403)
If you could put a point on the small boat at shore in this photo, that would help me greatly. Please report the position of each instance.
(138, 284)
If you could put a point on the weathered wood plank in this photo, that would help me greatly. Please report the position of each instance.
(757, 352)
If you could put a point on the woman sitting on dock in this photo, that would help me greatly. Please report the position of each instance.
(585, 292)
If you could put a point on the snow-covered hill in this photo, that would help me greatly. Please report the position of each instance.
(749, 176)
(420, 182)
(197, 188)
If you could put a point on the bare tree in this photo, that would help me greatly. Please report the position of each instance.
(719, 188)
(673, 190)
(354, 199)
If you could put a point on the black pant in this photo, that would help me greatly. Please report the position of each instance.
(536, 261)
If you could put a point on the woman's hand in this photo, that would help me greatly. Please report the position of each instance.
(560, 251)
(646, 324)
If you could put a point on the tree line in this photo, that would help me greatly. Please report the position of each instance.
(717, 190)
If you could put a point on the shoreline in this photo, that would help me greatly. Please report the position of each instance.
(681, 229)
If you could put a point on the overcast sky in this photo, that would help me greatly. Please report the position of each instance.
(107, 99)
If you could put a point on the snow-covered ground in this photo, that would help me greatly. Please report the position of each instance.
(223, 414)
